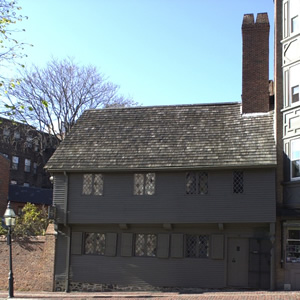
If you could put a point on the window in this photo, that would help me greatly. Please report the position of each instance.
(94, 243)
(35, 166)
(28, 143)
(5, 155)
(196, 183)
(145, 245)
(295, 93)
(92, 184)
(238, 182)
(26, 184)
(13, 182)
(293, 246)
(295, 159)
(144, 184)
(6, 132)
(197, 246)
(295, 24)
(16, 135)
(27, 165)
(15, 162)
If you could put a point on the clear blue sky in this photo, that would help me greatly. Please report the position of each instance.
(160, 52)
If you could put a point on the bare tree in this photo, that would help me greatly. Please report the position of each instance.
(52, 98)
(11, 50)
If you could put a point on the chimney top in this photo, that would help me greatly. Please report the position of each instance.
(261, 19)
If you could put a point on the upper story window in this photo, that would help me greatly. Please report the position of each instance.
(291, 12)
(144, 184)
(94, 243)
(295, 93)
(295, 159)
(238, 182)
(92, 184)
(27, 165)
(145, 245)
(15, 163)
(28, 143)
(35, 166)
(197, 246)
(196, 183)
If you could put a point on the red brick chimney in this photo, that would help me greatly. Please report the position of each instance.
(255, 89)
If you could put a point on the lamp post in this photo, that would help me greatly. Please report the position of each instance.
(10, 221)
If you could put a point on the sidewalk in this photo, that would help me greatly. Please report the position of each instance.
(206, 295)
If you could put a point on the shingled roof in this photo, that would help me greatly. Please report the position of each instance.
(167, 137)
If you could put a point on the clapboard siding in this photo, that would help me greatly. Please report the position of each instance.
(166, 270)
(170, 204)
(60, 196)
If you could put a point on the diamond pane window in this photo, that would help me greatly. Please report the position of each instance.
(98, 184)
(92, 184)
(191, 183)
(94, 243)
(87, 184)
(197, 246)
(144, 184)
(145, 245)
(238, 182)
(196, 183)
(138, 184)
(150, 184)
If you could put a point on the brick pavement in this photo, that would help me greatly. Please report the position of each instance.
(206, 295)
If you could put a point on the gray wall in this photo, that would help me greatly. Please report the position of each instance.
(144, 271)
(170, 204)
(291, 192)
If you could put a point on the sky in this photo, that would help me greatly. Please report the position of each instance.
(160, 52)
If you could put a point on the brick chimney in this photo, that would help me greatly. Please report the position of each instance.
(255, 87)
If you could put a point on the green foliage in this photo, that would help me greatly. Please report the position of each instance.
(32, 222)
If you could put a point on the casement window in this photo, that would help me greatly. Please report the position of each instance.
(94, 243)
(196, 183)
(196, 246)
(238, 182)
(144, 184)
(15, 163)
(145, 245)
(295, 159)
(27, 165)
(92, 184)
(293, 246)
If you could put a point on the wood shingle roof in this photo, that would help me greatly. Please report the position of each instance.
(167, 137)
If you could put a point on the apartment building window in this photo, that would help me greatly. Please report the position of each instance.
(295, 24)
(92, 184)
(196, 246)
(145, 245)
(238, 182)
(295, 159)
(293, 246)
(15, 163)
(295, 93)
(5, 155)
(26, 184)
(28, 142)
(196, 183)
(144, 184)
(27, 165)
(94, 243)
(17, 135)
(35, 166)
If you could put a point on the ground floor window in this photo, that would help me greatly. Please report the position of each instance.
(145, 245)
(293, 246)
(197, 246)
(94, 243)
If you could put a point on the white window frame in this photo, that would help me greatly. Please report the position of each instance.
(294, 157)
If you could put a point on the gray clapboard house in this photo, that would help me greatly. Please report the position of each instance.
(168, 196)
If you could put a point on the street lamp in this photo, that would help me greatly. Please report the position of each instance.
(10, 221)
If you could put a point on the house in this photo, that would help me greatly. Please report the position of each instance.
(4, 182)
(287, 81)
(171, 196)
(28, 150)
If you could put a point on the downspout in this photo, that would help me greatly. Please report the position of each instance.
(272, 271)
(68, 235)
